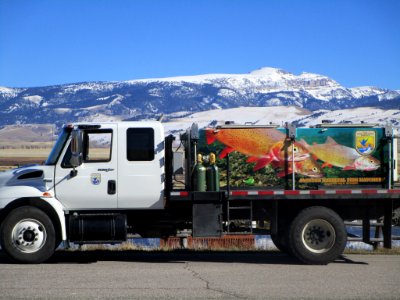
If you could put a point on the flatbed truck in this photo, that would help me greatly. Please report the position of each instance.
(104, 181)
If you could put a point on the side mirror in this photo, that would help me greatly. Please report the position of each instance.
(76, 148)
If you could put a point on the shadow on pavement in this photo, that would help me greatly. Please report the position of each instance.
(176, 256)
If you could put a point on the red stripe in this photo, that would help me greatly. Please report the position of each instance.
(343, 192)
(369, 191)
(297, 192)
(291, 192)
(239, 193)
(317, 192)
(394, 191)
(261, 193)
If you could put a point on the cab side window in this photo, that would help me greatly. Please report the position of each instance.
(97, 146)
(140, 144)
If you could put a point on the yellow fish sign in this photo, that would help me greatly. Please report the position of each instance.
(365, 142)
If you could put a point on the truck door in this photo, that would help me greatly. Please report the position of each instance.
(141, 165)
(95, 184)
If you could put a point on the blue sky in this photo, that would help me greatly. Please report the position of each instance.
(45, 42)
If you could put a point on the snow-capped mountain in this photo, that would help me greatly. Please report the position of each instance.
(178, 97)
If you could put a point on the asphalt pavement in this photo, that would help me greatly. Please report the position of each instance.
(199, 275)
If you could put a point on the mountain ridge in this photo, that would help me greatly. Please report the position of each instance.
(148, 98)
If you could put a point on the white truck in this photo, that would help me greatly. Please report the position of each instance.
(104, 181)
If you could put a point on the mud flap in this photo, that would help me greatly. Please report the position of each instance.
(207, 214)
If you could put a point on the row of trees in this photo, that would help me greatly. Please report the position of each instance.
(29, 147)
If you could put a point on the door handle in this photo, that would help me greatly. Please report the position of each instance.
(112, 187)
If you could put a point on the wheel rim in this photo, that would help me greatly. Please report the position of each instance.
(28, 235)
(318, 236)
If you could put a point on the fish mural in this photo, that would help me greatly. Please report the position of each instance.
(319, 157)
(334, 154)
(261, 145)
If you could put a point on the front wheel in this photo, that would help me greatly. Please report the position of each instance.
(27, 235)
(317, 235)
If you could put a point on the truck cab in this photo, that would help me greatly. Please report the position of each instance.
(121, 166)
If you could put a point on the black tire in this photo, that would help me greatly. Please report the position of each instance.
(280, 242)
(27, 235)
(317, 236)
(280, 239)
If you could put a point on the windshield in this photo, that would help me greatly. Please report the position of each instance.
(59, 145)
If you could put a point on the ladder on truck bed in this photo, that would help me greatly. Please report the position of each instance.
(242, 212)
(235, 208)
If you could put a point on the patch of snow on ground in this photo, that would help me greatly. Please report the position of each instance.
(326, 93)
(155, 92)
(275, 101)
(6, 93)
(215, 105)
(356, 115)
(62, 110)
(226, 93)
(90, 86)
(366, 91)
(34, 99)
(103, 118)
(116, 101)
(178, 114)
(96, 107)
(389, 96)
(103, 98)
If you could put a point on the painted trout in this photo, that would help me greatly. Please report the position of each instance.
(334, 154)
(307, 167)
(261, 145)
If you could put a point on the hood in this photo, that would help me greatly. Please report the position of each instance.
(30, 175)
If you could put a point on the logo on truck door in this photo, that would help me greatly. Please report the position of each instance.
(95, 178)
(365, 142)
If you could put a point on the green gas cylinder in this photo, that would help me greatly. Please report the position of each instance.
(212, 175)
(199, 175)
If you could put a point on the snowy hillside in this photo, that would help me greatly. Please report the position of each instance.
(354, 115)
(241, 115)
(281, 114)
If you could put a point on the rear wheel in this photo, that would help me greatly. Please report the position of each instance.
(280, 239)
(27, 235)
(317, 235)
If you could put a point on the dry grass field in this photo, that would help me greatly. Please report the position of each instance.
(34, 154)
(22, 156)
(25, 144)
(22, 153)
